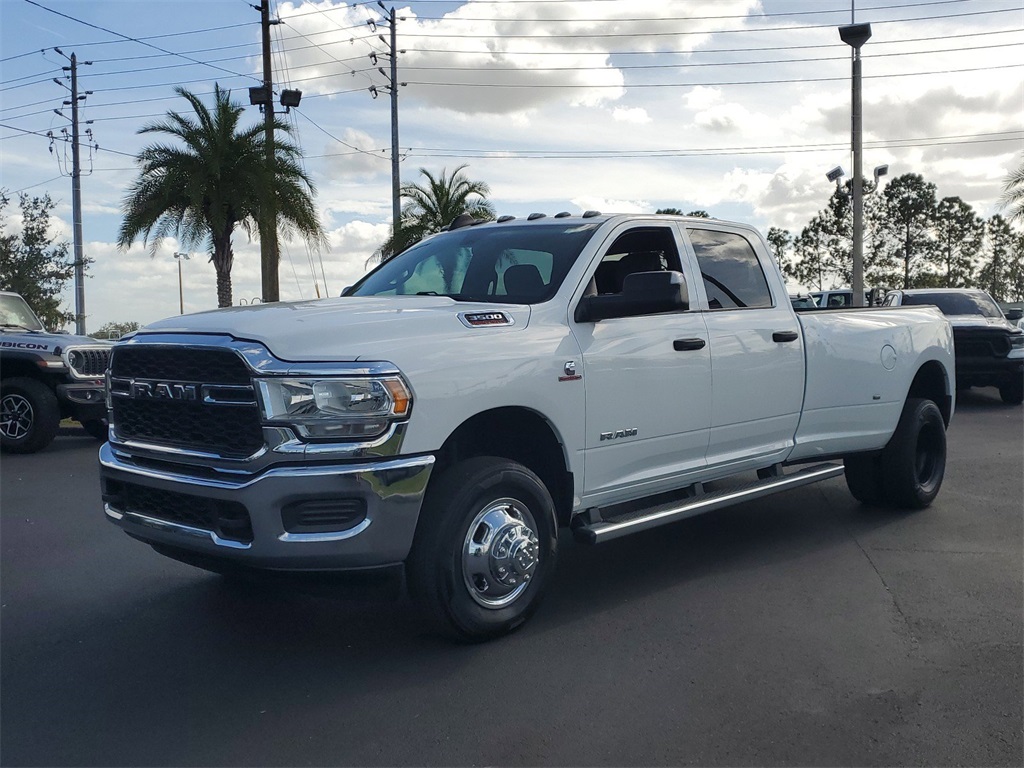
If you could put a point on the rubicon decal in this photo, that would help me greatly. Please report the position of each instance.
(23, 345)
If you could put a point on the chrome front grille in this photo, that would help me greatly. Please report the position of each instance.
(88, 362)
(161, 395)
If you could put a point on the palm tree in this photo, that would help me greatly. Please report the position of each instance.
(1013, 194)
(433, 206)
(219, 179)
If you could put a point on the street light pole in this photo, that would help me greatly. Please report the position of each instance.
(855, 35)
(181, 293)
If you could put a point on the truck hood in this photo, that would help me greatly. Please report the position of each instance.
(979, 321)
(44, 341)
(342, 329)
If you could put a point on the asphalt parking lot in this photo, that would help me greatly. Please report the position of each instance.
(799, 630)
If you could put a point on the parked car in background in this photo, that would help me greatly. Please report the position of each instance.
(838, 298)
(989, 348)
(802, 301)
(46, 377)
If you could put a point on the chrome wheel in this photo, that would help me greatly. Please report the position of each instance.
(500, 553)
(16, 416)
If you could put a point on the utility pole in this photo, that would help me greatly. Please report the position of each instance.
(76, 190)
(396, 182)
(269, 255)
(76, 203)
(855, 35)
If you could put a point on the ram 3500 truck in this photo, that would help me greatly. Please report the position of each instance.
(499, 381)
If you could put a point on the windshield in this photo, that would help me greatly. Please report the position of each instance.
(518, 264)
(960, 303)
(15, 312)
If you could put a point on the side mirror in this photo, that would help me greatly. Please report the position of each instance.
(643, 293)
(1015, 314)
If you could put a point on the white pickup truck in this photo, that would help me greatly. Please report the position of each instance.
(502, 380)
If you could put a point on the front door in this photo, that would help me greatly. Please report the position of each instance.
(647, 379)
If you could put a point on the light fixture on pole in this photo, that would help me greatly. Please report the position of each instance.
(181, 294)
(880, 171)
(855, 35)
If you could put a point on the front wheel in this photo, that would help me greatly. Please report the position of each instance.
(1012, 392)
(485, 548)
(96, 428)
(29, 415)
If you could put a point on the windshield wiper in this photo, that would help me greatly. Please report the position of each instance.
(16, 325)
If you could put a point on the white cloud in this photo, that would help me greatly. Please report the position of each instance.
(723, 118)
(635, 115)
(606, 205)
(703, 97)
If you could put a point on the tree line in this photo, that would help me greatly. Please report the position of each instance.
(912, 239)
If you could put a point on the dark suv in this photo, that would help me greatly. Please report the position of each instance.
(45, 377)
(989, 349)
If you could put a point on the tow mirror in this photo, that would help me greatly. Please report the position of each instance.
(1014, 314)
(643, 293)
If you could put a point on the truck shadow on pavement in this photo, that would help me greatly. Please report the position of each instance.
(589, 580)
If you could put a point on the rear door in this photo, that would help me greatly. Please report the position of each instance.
(757, 358)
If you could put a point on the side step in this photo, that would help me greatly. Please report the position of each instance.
(598, 528)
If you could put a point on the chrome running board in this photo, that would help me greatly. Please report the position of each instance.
(593, 527)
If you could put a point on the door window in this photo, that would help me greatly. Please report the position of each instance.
(648, 249)
(732, 275)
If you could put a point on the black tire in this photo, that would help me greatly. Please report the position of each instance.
(914, 461)
(503, 511)
(864, 478)
(1012, 392)
(96, 428)
(29, 415)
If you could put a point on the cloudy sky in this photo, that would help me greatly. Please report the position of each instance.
(737, 107)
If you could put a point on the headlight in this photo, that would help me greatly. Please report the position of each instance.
(340, 408)
(1017, 341)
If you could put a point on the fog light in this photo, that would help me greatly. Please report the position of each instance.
(323, 515)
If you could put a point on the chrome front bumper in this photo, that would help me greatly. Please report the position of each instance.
(392, 490)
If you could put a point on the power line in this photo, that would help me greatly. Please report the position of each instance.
(512, 53)
(126, 39)
(617, 19)
(630, 67)
(356, 150)
(709, 83)
(837, 147)
(567, 86)
(492, 52)
(134, 39)
(39, 184)
(562, 154)
(681, 33)
(38, 133)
